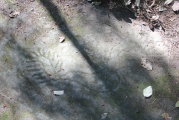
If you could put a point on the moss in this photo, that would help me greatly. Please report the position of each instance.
(97, 110)
(162, 87)
(53, 45)
(4, 116)
(6, 48)
(30, 39)
(10, 1)
(24, 114)
(6, 58)
(162, 80)
(112, 102)
(141, 86)
(29, 42)
(77, 30)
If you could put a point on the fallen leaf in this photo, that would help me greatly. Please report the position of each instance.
(4, 106)
(62, 39)
(96, 3)
(175, 6)
(167, 2)
(104, 115)
(61, 92)
(155, 17)
(127, 2)
(137, 3)
(166, 116)
(147, 92)
(177, 104)
(172, 19)
(161, 9)
(146, 63)
(14, 14)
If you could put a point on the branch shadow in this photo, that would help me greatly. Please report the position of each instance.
(117, 94)
(81, 100)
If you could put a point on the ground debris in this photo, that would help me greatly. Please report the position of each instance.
(147, 92)
(166, 116)
(162, 8)
(61, 39)
(146, 63)
(175, 6)
(60, 92)
(167, 2)
(14, 14)
(96, 3)
(104, 115)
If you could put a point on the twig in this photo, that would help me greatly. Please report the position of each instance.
(173, 108)
(153, 3)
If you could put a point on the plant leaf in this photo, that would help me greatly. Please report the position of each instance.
(177, 104)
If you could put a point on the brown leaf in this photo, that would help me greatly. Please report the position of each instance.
(4, 106)
(166, 116)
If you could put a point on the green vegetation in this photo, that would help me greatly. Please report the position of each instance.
(4, 116)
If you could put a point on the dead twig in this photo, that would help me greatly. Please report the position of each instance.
(153, 3)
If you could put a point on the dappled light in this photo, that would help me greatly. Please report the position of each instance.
(93, 53)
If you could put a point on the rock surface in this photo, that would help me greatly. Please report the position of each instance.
(98, 65)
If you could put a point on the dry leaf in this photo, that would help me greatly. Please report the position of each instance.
(161, 9)
(156, 17)
(165, 115)
(14, 14)
(61, 92)
(127, 2)
(137, 3)
(167, 2)
(62, 39)
(4, 106)
(175, 6)
(146, 64)
(104, 115)
(96, 3)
